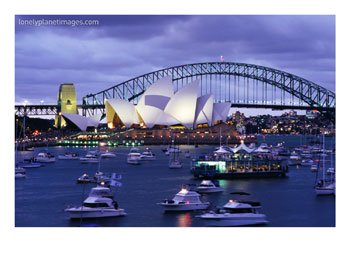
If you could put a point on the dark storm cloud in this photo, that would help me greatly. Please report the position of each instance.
(122, 47)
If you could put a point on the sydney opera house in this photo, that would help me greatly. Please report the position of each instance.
(158, 106)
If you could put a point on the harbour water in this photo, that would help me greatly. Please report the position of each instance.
(41, 198)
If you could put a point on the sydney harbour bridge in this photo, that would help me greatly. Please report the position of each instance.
(243, 85)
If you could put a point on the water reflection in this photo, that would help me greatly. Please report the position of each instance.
(184, 220)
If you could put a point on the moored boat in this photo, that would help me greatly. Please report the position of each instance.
(148, 155)
(99, 203)
(208, 186)
(96, 207)
(184, 200)
(68, 156)
(108, 155)
(90, 157)
(45, 157)
(234, 213)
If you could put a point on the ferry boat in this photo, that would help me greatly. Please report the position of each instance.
(208, 186)
(238, 168)
(235, 213)
(185, 200)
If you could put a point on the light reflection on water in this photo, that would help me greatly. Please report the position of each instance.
(184, 220)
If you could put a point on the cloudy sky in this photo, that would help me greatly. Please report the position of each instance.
(121, 47)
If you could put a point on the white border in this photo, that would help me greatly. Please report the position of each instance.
(170, 244)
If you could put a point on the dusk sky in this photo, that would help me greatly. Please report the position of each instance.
(122, 47)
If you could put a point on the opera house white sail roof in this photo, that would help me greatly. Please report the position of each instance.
(182, 105)
(159, 105)
(82, 122)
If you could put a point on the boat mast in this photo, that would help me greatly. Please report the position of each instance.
(323, 161)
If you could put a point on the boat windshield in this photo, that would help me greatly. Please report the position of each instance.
(190, 199)
(95, 205)
(238, 210)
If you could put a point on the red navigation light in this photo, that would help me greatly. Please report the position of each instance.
(36, 132)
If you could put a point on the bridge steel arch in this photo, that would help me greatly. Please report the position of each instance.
(244, 85)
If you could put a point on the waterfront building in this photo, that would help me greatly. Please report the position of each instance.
(160, 106)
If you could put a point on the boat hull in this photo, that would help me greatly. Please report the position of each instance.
(20, 175)
(184, 207)
(31, 165)
(79, 212)
(325, 191)
(222, 220)
(209, 190)
(87, 161)
(45, 160)
(68, 158)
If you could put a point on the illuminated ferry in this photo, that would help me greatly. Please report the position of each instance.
(244, 167)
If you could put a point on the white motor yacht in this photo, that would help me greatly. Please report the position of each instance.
(148, 155)
(134, 156)
(208, 186)
(95, 207)
(307, 162)
(235, 213)
(314, 168)
(184, 200)
(294, 159)
(84, 178)
(20, 172)
(69, 156)
(31, 164)
(89, 158)
(108, 155)
(44, 157)
(176, 163)
(174, 149)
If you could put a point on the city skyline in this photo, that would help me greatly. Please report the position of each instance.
(122, 47)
